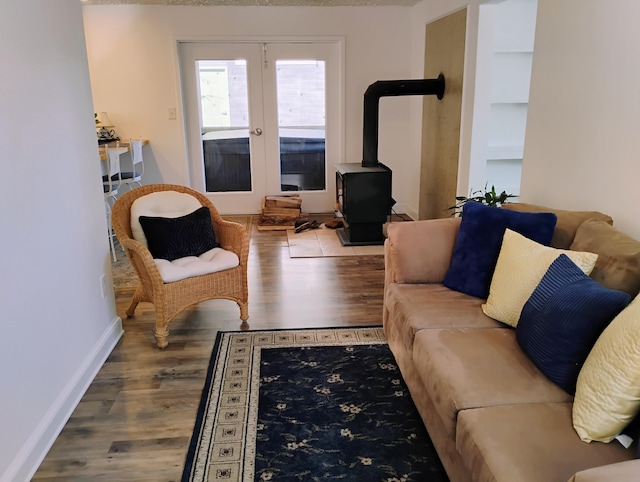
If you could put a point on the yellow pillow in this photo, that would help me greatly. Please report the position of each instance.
(521, 265)
(608, 389)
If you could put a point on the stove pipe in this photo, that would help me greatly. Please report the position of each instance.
(387, 88)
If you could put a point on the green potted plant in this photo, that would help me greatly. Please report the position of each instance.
(490, 198)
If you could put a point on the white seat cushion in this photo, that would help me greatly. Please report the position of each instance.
(216, 259)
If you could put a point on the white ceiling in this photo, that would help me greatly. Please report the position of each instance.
(260, 3)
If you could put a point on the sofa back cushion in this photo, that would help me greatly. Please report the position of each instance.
(421, 250)
(568, 221)
(618, 265)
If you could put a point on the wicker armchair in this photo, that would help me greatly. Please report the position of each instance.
(169, 299)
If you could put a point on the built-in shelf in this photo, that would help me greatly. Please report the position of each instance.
(513, 51)
(510, 102)
(511, 74)
(509, 32)
(505, 174)
(505, 152)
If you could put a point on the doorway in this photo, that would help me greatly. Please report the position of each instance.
(262, 118)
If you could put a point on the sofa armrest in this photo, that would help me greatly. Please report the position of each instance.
(627, 471)
(419, 251)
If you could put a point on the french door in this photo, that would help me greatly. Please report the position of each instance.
(262, 118)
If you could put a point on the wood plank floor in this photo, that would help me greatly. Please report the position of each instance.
(135, 420)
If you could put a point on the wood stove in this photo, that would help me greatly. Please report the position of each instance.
(364, 200)
(363, 190)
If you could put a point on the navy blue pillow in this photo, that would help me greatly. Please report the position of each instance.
(173, 238)
(563, 318)
(477, 246)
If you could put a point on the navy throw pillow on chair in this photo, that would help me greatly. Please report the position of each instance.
(477, 246)
(173, 238)
(563, 318)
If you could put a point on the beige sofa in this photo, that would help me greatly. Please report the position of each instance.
(492, 415)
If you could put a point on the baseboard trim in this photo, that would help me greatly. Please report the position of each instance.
(30, 456)
(402, 208)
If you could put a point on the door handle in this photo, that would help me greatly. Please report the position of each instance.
(257, 132)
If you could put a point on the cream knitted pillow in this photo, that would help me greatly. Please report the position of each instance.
(608, 389)
(521, 265)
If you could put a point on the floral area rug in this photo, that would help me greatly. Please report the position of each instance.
(123, 274)
(326, 404)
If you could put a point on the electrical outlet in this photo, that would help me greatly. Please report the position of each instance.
(172, 113)
(103, 286)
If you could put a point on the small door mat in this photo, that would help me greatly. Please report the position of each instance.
(324, 242)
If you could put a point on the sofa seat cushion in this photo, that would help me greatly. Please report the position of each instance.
(626, 471)
(466, 368)
(528, 443)
(415, 307)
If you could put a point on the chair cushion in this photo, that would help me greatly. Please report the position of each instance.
(115, 178)
(166, 204)
(173, 238)
(563, 318)
(478, 243)
(130, 175)
(212, 261)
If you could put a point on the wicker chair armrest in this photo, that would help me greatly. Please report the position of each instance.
(141, 258)
(137, 247)
(234, 237)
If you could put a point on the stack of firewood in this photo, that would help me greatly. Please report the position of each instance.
(280, 212)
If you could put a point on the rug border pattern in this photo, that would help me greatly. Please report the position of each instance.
(228, 452)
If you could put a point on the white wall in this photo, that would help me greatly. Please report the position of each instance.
(582, 144)
(134, 70)
(56, 328)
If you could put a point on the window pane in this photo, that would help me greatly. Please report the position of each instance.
(224, 125)
(301, 124)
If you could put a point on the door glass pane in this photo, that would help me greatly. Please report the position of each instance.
(224, 123)
(301, 124)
